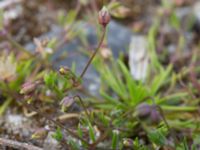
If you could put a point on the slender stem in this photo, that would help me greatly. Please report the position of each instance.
(84, 107)
(167, 124)
(4, 106)
(94, 53)
(18, 46)
(160, 109)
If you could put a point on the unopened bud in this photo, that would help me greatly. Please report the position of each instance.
(3, 33)
(143, 110)
(150, 112)
(64, 70)
(27, 88)
(40, 134)
(155, 116)
(104, 16)
(127, 142)
(67, 101)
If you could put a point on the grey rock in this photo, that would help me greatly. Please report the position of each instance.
(17, 124)
(138, 57)
(118, 38)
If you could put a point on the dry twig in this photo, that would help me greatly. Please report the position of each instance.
(17, 145)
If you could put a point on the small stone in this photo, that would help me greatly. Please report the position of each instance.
(138, 57)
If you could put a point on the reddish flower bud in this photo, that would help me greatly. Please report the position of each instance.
(67, 101)
(155, 115)
(28, 87)
(104, 16)
(150, 112)
(143, 110)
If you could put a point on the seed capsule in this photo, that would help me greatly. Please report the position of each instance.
(104, 16)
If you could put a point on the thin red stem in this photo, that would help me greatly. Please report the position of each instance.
(94, 53)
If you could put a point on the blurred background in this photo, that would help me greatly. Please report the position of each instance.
(156, 40)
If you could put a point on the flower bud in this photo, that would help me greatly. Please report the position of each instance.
(143, 110)
(67, 101)
(3, 33)
(27, 88)
(104, 16)
(127, 142)
(40, 134)
(64, 70)
(155, 116)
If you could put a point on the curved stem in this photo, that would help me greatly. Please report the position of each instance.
(83, 105)
(4, 106)
(18, 46)
(94, 53)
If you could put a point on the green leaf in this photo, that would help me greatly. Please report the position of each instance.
(50, 79)
(183, 145)
(73, 143)
(1, 19)
(109, 99)
(113, 82)
(158, 136)
(174, 21)
(80, 133)
(160, 79)
(137, 91)
(115, 139)
(58, 135)
(114, 5)
(71, 16)
(152, 44)
(104, 119)
(52, 43)
(91, 132)
(166, 4)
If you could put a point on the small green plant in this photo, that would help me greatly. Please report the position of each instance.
(122, 97)
(58, 135)
(156, 113)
